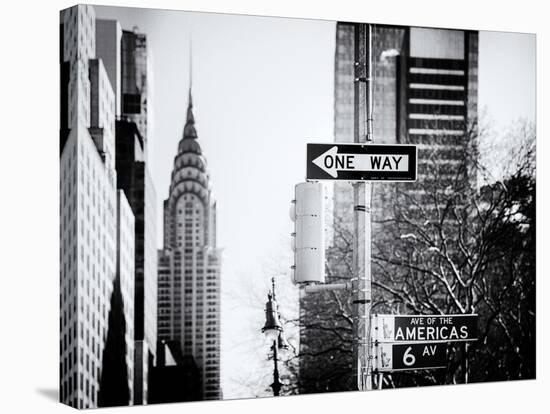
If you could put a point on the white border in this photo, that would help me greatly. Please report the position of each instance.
(29, 219)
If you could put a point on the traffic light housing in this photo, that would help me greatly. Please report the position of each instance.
(308, 239)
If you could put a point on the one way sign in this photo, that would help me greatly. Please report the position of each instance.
(361, 162)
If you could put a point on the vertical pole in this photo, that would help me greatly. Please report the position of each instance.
(361, 280)
(276, 386)
(465, 365)
(370, 86)
(276, 382)
(273, 287)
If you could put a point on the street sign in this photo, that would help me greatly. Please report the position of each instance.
(424, 328)
(401, 357)
(361, 162)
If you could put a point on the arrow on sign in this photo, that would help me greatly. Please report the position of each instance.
(331, 162)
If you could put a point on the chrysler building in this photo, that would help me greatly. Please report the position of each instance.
(189, 264)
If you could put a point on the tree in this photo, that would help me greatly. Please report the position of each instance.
(455, 248)
(457, 241)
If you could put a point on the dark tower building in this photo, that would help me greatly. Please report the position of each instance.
(189, 264)
(135, 180)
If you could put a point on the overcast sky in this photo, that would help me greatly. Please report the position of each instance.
(262, 88)
(507, 76)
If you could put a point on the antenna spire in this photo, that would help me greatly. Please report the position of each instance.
(189, 128)
(190, 67)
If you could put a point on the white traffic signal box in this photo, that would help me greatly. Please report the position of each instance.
(307, 212)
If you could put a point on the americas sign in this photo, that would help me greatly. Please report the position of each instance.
(410, 342)
(424, 328)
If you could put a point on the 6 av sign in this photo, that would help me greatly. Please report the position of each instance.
(401, 357)
(361, 162)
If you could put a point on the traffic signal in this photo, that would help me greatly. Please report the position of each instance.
(308, 239)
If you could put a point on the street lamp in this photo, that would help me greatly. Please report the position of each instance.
(283, 345)
(272, 326)
(273, 329)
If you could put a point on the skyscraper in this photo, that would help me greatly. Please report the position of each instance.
(135, 60)
(134, 178)
(189, 264)
(126, 60)
(88, 256)
(94, 72)
(108, 36)
(425, 93)
(116, 385)
(126, 279)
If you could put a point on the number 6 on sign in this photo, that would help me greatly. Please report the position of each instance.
(408, 358)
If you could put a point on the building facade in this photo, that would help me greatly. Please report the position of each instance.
(189, 264)
(126, 60)
(135, 72)
(174, 378)
(135, 180)
(108, 37)
(126, 280)
(88, 207)
(425, 93)
(116, 380)
(103, 230)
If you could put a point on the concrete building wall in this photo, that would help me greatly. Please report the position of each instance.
(150, 261)
(108, 43)
(69, 260)
(102, 116)
(88, 213)
(89, 267)
(134, 179)
(141, 372)
(126, 274)
(165, 316)
(212, 329)
(436, 43)
(78, 48)
(135, 59)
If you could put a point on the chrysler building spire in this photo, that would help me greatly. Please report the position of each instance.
(189, 129)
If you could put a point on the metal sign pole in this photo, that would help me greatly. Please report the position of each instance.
(361, 280)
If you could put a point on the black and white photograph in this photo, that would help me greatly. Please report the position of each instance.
(262, 206)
